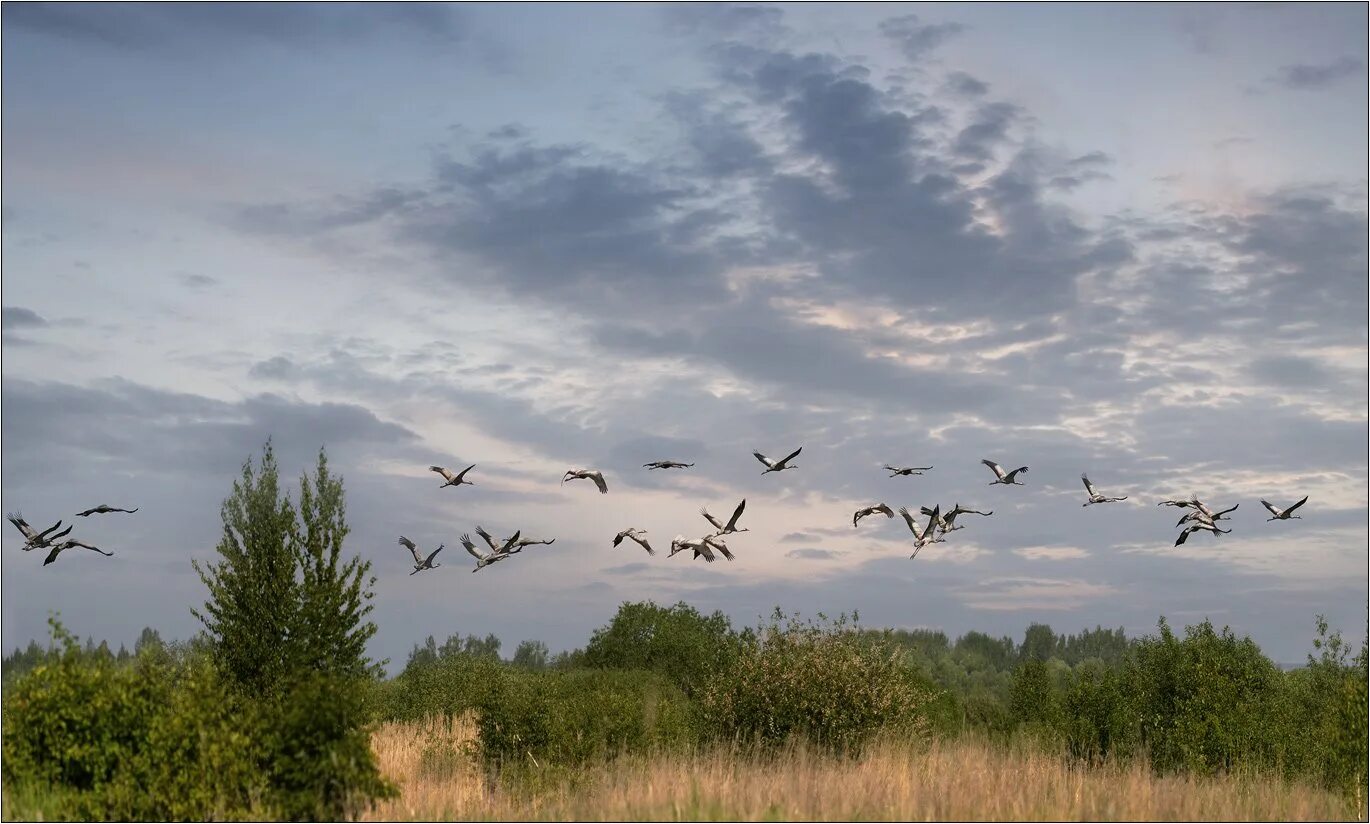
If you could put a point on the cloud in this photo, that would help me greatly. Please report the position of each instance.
(812, 554)
(193, 27)
(193, 280)
(1007, 593)
(915, 38)
(1304, 76)
(17, 317)
(1051, 553)
(965, 85)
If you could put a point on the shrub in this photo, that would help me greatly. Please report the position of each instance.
(444, 686)
(570, 718)
(678, 642)
(1205, 703)
(825, 681)
(318, 751)
(74, 720)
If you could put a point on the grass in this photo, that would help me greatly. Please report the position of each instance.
(441, 779)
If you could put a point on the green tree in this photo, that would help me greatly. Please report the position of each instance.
(253, 604)
(677, 641)
(531, 655)
(282, 599)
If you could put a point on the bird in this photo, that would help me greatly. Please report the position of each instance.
(453, 480)
(667, 465)
(871, 510)
(1000, 476)
(1196, 516)
(1094, 496)
(923, 536)
(496, 554)
(1176, 503)
(420, 563)
(731, 526)
(104, 508)
(57, 549)
(780, 465)
(36, 540)
(944, 524)
(717, 543)
(1197, 527)
(702, 548)
(896, 471)
(635, 535)
(1284, 514)
(523, 542)
(956, 510)
(590, 474)
(1200, 507)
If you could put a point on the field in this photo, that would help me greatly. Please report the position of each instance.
(966, 779)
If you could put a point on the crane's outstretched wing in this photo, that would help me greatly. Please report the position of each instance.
(408, 544)
(737, 513)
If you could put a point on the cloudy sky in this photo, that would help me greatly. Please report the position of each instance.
(1123, 240)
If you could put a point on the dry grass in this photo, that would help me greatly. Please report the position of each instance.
(962, 780)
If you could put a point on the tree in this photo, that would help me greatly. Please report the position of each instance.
(531, 655)
(282, 600)
(677, 641)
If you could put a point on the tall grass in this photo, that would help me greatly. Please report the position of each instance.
(441, 778)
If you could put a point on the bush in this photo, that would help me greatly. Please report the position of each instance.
(1206, 703)
(76, 719)
(825, 681)
(443, 686)
(678, 642)
(570, 718)
(167, 739)
(318, 751)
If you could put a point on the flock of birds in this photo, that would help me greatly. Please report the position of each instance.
(712, 544)
(49, 538)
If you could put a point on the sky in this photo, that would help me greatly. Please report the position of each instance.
(1122, 240)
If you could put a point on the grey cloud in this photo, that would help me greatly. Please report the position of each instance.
(276, 368)
(193, 27)
(811, 554)
(17, 317)
(1318, 75)
(195, 280)
(1095, 158)
(915, 38)
(127, 427)
(726, 20)
(966, 85)
(979, 139)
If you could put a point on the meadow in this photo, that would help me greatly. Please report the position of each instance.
(966, 779)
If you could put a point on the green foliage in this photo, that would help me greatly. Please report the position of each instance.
(1205, 703)
(446, 686)
(570, 718)
(1035, 700)
(678, 642)
(825, 680)
(165, 738)
(318, 746)
(75, 719)
(282, 600)
(1099, 720)
(531, 655)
